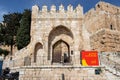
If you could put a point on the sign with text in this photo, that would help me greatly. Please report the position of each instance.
(89, 58)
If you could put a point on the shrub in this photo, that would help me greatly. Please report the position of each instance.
(4, 52)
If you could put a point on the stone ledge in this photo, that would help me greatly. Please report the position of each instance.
(55, 66)
(44, 19)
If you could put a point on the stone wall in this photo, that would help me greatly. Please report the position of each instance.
(60, 73)
(107, 7)
(103, 16)
(105, 40)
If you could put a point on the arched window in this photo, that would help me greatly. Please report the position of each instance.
(37, 47)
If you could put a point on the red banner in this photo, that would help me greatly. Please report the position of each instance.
(89, 58)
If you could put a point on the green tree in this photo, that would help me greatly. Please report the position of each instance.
(2, 33)
(4, 52)
(12, 24)
(23, 34)
(1, 36)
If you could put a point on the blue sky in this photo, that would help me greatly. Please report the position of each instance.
(7, 6)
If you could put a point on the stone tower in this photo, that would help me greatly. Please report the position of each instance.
(103, 25)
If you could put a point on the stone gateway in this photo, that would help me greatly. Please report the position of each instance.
(58, 37)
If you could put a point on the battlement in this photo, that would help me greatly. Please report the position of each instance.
(60, 13)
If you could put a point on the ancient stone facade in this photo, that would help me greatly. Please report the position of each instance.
(103, 24)
(58, 36)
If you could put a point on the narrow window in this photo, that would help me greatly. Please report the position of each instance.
(107, 6)
(111, 27)
(71, 52)
(98, 6)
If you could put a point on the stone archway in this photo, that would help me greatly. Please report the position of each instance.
(59, 36)
(61, 52)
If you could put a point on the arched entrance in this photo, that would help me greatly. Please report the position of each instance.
(59, 33)
(61, 53)
(60, 44)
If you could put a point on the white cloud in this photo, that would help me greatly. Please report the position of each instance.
(2, 12)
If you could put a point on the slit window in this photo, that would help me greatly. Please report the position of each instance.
(111, 27)
(98, 6)
(71, 52)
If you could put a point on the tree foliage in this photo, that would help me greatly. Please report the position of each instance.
(1, 33)
(4, 52)
(11, 23)
(23, 34)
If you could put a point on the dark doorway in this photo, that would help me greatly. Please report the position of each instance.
(60, 52)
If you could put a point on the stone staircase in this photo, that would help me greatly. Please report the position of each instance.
(111, 76)
(60, 73)
(112, 67)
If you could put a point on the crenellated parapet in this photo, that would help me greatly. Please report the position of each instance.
(35, 10)
(60, 13)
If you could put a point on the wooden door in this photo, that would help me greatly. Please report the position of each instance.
(59, 49)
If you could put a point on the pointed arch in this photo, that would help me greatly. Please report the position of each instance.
(61, 52)
(37, 47)
(56, 32)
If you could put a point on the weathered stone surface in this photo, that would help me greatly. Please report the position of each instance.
(56, 73)
(106, 41)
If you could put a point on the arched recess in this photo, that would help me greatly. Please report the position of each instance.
(61, 52)
(37, 47)
(55, 33)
